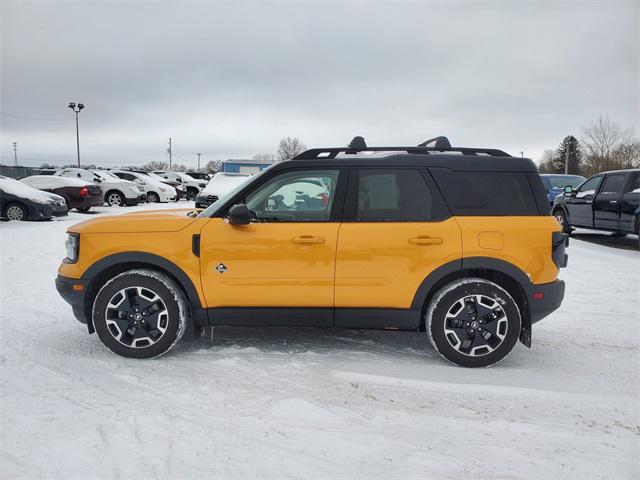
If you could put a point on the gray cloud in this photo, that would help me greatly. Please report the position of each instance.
(230, 79)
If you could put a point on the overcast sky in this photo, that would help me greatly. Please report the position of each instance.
(231, 79)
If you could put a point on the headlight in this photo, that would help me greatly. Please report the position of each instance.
(202, 185)
(72, 247)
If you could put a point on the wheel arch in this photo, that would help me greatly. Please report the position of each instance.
(113, 190)
(504, 274)
(108, 267)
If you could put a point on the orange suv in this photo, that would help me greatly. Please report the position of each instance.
(454, 242)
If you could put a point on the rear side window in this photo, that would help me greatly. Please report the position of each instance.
(613, 184)
(393, 195)
(486, 193)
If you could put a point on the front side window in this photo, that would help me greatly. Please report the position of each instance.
(295, 196)
(393, 196)
(589, 187)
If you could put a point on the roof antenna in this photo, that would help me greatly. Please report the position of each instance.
(358, 143)
(440, 142)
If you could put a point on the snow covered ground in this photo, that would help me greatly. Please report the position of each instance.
(282, 403)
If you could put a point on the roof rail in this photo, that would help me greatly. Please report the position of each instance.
(358, 145)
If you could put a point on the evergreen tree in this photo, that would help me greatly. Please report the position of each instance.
(571, 145)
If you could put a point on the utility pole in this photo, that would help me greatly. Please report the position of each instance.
(169, 153)
(199, 161)
(15, 153)
(522, 154)
(76, 109)
(566, 161)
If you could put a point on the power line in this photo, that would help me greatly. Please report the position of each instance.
(35, 118)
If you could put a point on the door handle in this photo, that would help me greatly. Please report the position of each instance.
(589, 202)
(613, 201)
(425, 241)
(308, 240)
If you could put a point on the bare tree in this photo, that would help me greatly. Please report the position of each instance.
(607, 146)
(628, 154)
(265, 157)
(289, 148)
(545, 164)
(213, 166)
(155, 165)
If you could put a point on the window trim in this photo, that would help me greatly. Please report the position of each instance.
(335, 216)
(350, 213)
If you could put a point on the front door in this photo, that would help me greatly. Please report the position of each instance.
(580, 205)
(284, 258)
(394, 233)
(606, 205)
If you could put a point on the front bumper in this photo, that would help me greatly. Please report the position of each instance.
(544, 299)
(203, 201)
(135, 201)
(60, 211)
(72, 290)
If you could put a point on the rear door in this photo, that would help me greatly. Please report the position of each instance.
(580, 205)
(630, 203)
(606, 204)
(395, 231)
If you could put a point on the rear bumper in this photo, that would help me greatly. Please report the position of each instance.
(72, 290)
(544, 299)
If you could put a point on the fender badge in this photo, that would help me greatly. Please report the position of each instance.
(221, 268)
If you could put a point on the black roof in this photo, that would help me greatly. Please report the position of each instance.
(442, 154)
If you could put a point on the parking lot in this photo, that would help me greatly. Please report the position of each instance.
(286, 402)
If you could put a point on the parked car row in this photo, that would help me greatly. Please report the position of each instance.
(19, 201)
(80, 189)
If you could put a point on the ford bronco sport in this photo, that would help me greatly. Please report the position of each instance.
(454, 242)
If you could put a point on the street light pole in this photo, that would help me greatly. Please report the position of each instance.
(15, 153)
(199, 161)
(76, 109)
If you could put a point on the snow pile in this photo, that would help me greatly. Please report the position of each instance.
(222, 183)
(312, 403)
(53, 181)
(19, 189)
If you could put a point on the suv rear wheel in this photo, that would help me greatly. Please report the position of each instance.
(140, 314)
(473, 322)
(561, 217)
(114, 199)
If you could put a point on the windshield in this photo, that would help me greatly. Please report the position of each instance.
(214, 208)
(559, 182)
(105, 175)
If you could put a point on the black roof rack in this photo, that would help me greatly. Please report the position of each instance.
(357, 145)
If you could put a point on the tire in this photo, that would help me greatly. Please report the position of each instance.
(192, 193)
(16, 211)
(139, 333)
(83, 209)
(114, 199)
(473, 322)
(153, 197)
(561, 217)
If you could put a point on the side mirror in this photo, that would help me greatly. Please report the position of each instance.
(568, 190)
(239, 215)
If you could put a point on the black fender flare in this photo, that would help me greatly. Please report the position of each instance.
(198, 312)
(486, 263)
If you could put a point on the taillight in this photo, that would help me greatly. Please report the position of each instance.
(84, 192)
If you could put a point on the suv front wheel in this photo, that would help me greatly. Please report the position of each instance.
(473, 322)
(140, 314)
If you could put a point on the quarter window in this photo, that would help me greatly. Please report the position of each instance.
(393, 196)
(295, 196)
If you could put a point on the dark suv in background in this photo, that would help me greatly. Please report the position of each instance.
(608, 201)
